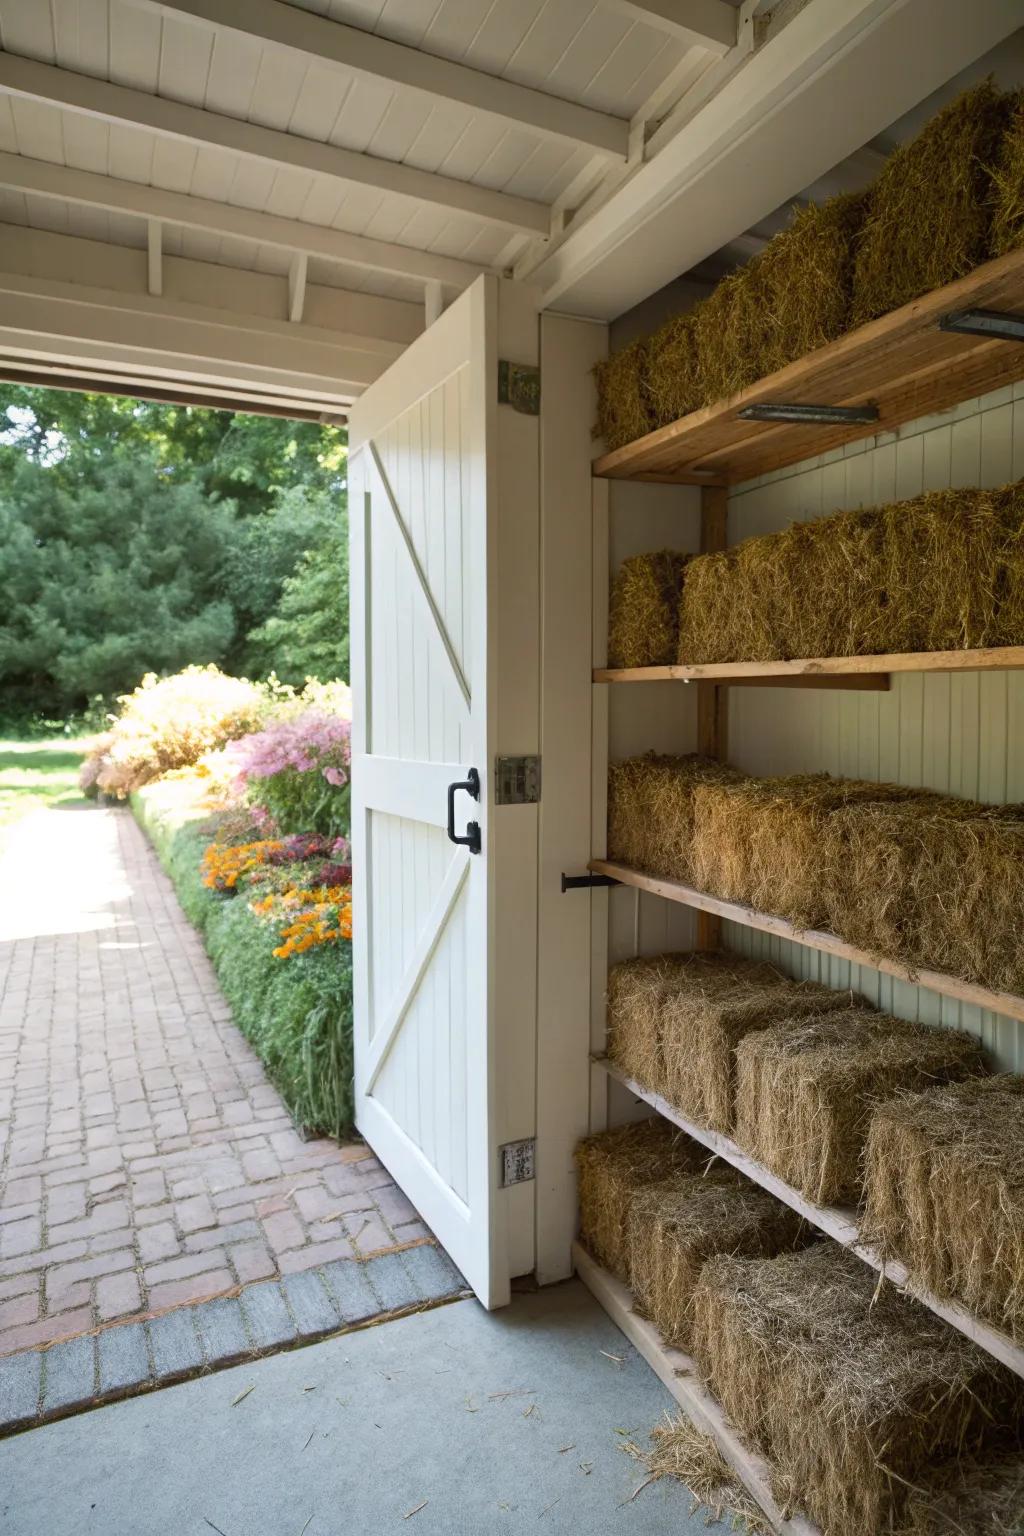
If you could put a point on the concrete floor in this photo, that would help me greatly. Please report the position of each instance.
(501, 1423)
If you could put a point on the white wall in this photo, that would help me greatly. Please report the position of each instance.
(962, 735)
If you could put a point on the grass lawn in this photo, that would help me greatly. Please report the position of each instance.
(35, 774)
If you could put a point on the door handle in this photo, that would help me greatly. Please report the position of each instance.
(471, 785)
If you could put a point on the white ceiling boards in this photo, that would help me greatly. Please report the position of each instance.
(327, 152)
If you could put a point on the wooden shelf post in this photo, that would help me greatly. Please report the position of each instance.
(712, 698)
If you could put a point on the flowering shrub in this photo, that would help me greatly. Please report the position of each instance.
(298, 770)
(307, 917)
(225, 863)
(170, 723)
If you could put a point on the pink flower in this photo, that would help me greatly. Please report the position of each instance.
(335, 776)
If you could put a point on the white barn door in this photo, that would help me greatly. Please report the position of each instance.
(441, 1083)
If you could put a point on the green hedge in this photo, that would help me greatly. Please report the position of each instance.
(296, 1013)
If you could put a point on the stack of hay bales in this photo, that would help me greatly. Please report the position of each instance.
(614, 1168)
(855, 1396)
(643, 615)
(674, 1022)
(673, 1232)
(929, 218)
(905, 874)
(941, 572)
(650, 810)
(805, 1090)
(944, 1179)
(942, 205)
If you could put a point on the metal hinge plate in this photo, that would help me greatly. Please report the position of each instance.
(516, 780)
(516, 1162)
(519, 387)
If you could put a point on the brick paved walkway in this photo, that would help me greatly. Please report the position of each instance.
(145, 1160)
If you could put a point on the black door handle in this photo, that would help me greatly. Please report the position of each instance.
(471, 784)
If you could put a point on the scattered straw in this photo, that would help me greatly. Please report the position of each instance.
(805, 1091)
(613, 1168)
(983, 1499)
(944, 1176)
(682, 1451)
(672, 1232)
(622, 410)
(643, 622)
(929, 212)
(852, 1395)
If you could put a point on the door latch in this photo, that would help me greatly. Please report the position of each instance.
(471, 785)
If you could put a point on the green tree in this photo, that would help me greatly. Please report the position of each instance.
(106, 579)
(307, 634)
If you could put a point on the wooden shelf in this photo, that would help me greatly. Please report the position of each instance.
(1009, 1004)
(902, 363)
(867, 672)
(679, 1373)
(835, 1221)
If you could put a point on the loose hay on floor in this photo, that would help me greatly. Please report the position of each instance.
(930, 210)
(673, 1232)
(622, 410)
(934, 882)
(643, 614)
(944, 1180)
(852, 1396)
(650, 810)
(981, 1499)
(704, 1018)
(613, 1168)
(682, 1451)
(805, 1091)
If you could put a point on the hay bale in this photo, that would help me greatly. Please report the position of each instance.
(770, 842)
(801, 285)
(812, 589)
(622, 410)
(670, 376)
(636, 994)
(1008, 184)
(673, 1232)
(643, 615)
(984, 1498)
(805, 1091)
(943, 571)
(853, 1396)
(944, 1179)
(650, 810)
(930, 210)
(730, 336)
(704, 1018)
(613, 1169)
(932, 881)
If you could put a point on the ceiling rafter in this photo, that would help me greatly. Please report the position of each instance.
(365, 53)
(45, 179)
(711, 23)
(139, 109)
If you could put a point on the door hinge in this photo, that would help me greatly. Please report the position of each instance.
(519, 387)
(516, 1162)
(516, 780)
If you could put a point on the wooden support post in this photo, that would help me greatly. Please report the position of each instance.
(712, 698)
